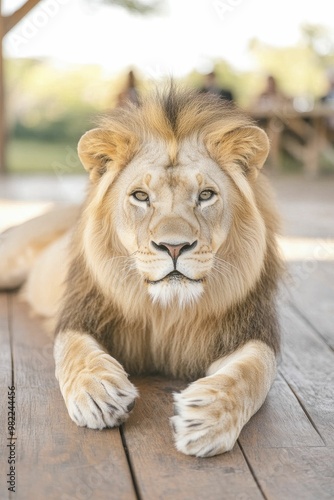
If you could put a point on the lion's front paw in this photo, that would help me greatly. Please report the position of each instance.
(99, 395)
(206, 420)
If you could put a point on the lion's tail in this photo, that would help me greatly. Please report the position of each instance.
(20, 245)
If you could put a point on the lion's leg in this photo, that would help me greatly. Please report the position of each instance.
(211, 412)
(20, 245)
(94, 385)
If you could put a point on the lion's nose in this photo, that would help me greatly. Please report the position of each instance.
(174, 250)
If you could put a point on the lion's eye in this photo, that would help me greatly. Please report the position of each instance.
(206, 195)
(141, 196)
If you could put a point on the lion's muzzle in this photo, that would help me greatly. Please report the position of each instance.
(174, 250)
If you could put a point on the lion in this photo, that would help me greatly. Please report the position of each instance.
(170, 266)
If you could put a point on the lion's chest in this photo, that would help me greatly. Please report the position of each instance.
(178, 349)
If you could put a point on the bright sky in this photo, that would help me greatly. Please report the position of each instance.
(186, 35)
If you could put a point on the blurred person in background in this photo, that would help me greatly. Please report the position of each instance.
(328, 98)
(211, 85)
(271, 97)
(328, 101)
(267, 108)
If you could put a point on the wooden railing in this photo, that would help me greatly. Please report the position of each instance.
(304, 135)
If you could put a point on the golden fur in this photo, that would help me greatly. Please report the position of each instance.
(252, 263)
(208, 311)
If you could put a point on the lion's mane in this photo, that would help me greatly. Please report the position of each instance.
(114, 307)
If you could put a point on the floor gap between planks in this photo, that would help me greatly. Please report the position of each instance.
(303, 408)
(128, 458)
(296, 309)
(252, 471)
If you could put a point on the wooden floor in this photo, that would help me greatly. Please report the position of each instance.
(285, 452)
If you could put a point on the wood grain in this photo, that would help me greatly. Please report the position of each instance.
(162, 472)
(312, 293)
(282, 443)
(5, 354)
(307, 366)
(283, 446)
(294, 473)
(5, 382)
(281, 422)
(58, 460)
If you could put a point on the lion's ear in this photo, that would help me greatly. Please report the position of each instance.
(101, 149)
(248, 146)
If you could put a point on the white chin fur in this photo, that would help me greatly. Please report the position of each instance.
(183, 294)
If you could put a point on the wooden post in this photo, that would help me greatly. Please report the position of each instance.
(13, 19)
(2, 103)
(6, 24)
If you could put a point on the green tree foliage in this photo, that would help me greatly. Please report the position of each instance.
(296, 69)
(301, 69)
(320, 40)
(56, 103)
(49, 101)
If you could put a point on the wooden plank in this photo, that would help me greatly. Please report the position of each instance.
(5, 354)
(18, 15)
(5, 382)
(161, 471)
(288, 466)
(281, 422)
(307, 366)
(32, 348)
(57, 459)
(315, 280)
(294, 473)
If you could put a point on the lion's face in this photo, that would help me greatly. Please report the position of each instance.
(172, 219)
(172, 215)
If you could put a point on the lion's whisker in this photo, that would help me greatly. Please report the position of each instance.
(220, 261)
(128, 274)
(218, 272)
(127, 257)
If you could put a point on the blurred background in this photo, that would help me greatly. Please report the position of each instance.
(66, 61)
